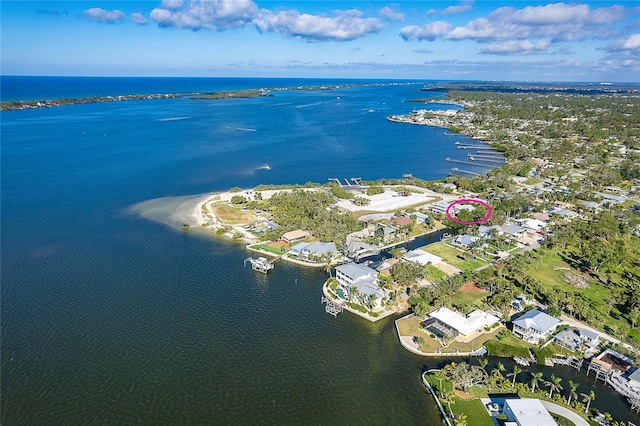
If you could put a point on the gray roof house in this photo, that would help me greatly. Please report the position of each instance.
(486, 231)
(466, 240)
(534, 325)
(355, 276)
(308, 251)
(580, 339)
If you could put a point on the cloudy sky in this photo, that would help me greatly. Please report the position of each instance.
(523, 40)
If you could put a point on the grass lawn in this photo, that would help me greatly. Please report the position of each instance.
(410, 326)
(474, 409)
(232, 215)
(453, 257)
(435, 274)
(265, 247)
(479, 341)
(471, 298)
(597, 294)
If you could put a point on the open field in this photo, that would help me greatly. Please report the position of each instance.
(232, 215)
(453, 256)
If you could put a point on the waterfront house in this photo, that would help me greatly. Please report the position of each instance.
(634, 380)
(360, 279)
(402, 220)
(420, 218)
(534, 326)
(315, 250)
(577, 339)
(527, 412)
(293, 236)
(421, 257)
(445, 322)
(466, 240)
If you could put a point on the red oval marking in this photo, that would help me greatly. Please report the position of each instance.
(471, 201)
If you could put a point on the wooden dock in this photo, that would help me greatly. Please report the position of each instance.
(332, 307)
(261, 264)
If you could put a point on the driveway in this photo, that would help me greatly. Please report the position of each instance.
(564, 412)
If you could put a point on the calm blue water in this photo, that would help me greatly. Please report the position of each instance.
(107, 317)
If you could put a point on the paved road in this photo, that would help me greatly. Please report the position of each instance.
(564, 412)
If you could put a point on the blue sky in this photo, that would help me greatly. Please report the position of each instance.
(488, 40)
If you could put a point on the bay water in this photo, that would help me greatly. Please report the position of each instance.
(111, 318)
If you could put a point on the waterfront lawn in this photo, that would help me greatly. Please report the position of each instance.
(232, 215)
(477, 343)
(453, 256)
(474, 409)
(410, 326)
(509, 347)
(266, 247)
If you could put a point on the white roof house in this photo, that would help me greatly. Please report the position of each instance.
(534, 325)
(464, 325)
(421, 257)
(527, 412)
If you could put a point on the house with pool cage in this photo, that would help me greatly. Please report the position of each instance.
(448, 324)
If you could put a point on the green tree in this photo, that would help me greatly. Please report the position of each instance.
(587, 398)
(497, 372)
(516, 370)
(440, 376)
(449, 398)
(554, 384)
(536, 378)
(573, 386)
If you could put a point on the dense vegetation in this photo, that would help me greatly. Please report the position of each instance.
(312, 211)
(580, 141)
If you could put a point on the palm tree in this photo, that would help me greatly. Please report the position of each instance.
(572, 391)
(498, 370)
(483, 364)
(535, 379)
(326, 257)
(449, 398)
(439, 375)
(553, 384)
(516, 370)
(587, 398)
(461, 420)
(354, 292)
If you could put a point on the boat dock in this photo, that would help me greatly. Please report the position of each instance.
(333, 307)
(261, 264)
(455, 169)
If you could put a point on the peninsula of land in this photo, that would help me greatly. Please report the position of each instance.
(552, 276)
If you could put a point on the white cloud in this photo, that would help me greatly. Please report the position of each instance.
(205, 14)
(221, 15)
(558, 21)
(100, 15)
(346, 25)
(429, 31)
(139, 19)
(172, 4)
(388, 14)
(516, 47)
(627, 44)
(451, 10)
